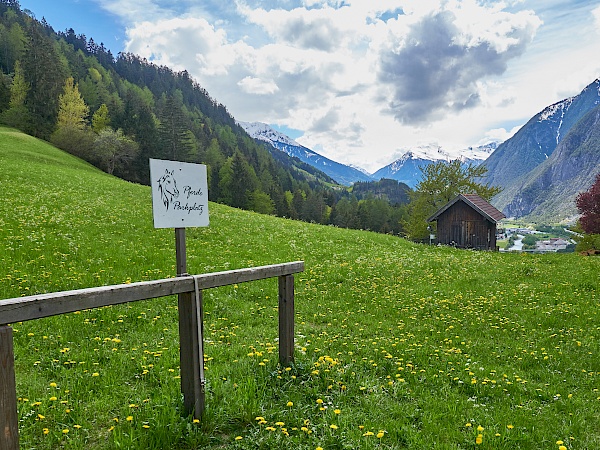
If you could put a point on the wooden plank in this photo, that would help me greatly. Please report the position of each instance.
(286, 319)
(45, 305)
(9, 420)
(211, 280)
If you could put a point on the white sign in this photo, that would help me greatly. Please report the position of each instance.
(179, 194)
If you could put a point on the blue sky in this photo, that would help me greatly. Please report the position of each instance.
(361, 81)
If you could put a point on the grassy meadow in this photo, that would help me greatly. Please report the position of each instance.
(398, 345)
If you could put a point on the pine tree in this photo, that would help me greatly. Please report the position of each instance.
(45, 74)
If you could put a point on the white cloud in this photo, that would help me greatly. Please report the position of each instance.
(364, 79)
(256, 86)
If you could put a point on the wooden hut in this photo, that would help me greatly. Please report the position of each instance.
(467, 221)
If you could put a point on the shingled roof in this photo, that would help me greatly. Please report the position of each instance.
(475, 202)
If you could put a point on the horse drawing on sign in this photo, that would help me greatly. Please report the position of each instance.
(167, 186)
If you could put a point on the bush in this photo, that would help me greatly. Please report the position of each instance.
(588, 242)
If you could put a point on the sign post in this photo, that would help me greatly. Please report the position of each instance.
(180, 200)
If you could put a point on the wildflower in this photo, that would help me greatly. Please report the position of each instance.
(337, 411)
(480, 428)
(290, 404)
(238, 438)
(146, 426)
(279, 424)
(53, 384)
(479, 439)
(46, 430)
(196, 421)
(333, 426)
(53, 399)
(319, 401)
(368, 433)
(129, 418)
(319, 448)
(65, 431)
(380, 434)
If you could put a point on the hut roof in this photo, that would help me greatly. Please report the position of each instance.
(475, 202)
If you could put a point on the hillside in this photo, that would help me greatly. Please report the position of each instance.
(398, 345)
(548, 192)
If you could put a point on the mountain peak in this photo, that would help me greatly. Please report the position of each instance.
(263, 132)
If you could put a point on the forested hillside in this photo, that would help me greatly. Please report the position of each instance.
(118, 111)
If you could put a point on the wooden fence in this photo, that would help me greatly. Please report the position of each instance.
(189, 290)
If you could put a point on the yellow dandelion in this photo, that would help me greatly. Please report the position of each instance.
(480, 428)
(319, 401)
(129, 418)
(238, 438)
(509, 426)
(333, 426)
(65, 431)
(53, 399)
(337, 411)
(380, 434)
(479, 439)
(290, 404)
(46, 430)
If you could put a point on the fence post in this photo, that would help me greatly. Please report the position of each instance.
(190, 323)
(286, 319)
(9, 420)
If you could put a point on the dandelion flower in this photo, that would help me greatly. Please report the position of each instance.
(479, 439)
(509, 426)
(238, 438)
(480, 428)
(337, 411)
(562, 447)
(290, 404)
(333, 426)
(380, 434)
(319, 401)
(129, 418)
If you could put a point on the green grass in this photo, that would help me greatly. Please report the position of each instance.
(423, 344)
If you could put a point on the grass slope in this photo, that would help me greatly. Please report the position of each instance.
(399, 346)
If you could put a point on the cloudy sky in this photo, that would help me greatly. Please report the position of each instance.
(361, 81)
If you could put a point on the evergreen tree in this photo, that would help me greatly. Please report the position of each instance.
(45, 75)
(17, 115)
(176, 142)
(100, 119)
(72, 110)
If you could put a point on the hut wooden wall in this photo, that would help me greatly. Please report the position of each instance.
(462, 226)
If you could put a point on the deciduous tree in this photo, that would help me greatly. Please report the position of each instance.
(440, 183)
(588, 204)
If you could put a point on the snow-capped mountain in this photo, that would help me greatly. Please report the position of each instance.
(407, 168)
(341, 173)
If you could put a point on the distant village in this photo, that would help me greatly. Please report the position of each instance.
(518, 241)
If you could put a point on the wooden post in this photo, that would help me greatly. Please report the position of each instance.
(9, 420)
(190, 357)
(286, 319)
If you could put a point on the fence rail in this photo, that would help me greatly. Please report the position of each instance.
(188, 287)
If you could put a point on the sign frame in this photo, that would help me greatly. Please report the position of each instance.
(179, 194)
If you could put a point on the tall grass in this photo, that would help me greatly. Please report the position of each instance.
(397, 345)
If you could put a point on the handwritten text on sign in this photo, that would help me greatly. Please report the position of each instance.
(179, 194)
